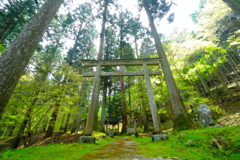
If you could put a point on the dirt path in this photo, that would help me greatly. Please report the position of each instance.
(122, 149)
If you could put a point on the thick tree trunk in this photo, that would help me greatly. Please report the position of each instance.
(234, 5)
(15, 59)
(181, 118)
(102, 34)
(96, 86)
(93, 104)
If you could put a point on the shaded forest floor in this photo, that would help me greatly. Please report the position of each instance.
(232, 116)
(39, 140)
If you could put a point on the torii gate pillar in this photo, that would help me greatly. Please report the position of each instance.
(94, 103)
(153, 106)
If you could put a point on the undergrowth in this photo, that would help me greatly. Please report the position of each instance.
(53, 151)
(191, 145)
(195, 144)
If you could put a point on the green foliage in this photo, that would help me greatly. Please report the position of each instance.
(147, 48)
(234, 40)
(158, 8)
(216, 21)
(2, 49)
(14, 15)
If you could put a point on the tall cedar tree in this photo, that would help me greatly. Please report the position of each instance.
(93, 108)
(15, 59)
(157, 9)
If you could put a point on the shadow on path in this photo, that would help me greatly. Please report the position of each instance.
(122, 148)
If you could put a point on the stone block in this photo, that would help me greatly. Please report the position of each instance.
(87, 139)
(205, 116)
(157, 137)
(131, 130)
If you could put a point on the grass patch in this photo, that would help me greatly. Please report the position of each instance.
(200, 148)
(53, 151)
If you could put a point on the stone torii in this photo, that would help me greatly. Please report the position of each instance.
(122, 72)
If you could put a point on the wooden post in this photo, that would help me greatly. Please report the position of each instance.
(153, 106)
(94, 103)
(124, 108)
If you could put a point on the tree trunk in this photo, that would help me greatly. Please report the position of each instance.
(74, 125)
(181, 118)
(67, 122)
(11, 130)
(62, 123)
(129, 98)
(93, 104)
(83, 89)
(104, 100)
(96, 86)
(21, 129)
(15, 59)
(52, 121)
(203, 83)
(136, 46)
(234, 5)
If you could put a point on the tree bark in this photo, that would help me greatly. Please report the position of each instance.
(15, 59)
(234, 5)
(93, 104)
(96, 86)
(181, 119)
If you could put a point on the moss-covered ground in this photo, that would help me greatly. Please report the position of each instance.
(195, 144)
(54, 151)
(191, 145)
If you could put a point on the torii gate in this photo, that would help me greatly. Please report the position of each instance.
(122, 63)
